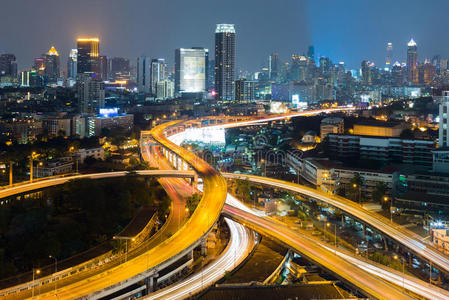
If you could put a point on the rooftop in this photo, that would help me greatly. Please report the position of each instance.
(225, 28)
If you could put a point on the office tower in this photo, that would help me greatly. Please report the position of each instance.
(298, 69)
(244, 90)
(72, 64)
(165, 90)
(412, 62)
(143, 74)
(210, 80)
(274, 66)
(429, 71)
(39, 65)
(443, 130)
(325, 65)
(104, 67)
(120, 69)
(389, 57)
(366, 73)
(190, 70)
(311, 53)
(52, 65)
(88, 56)
(225, 61)
(397, 74)
(8, 65)
(90, 94)
(157, 73)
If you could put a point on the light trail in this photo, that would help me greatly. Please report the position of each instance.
(239, 247)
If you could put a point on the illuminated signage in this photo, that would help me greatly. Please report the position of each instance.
(108, 112)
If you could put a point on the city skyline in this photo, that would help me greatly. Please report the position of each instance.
(293, 27)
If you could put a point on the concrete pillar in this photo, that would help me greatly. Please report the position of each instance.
(203, 247)
(385, 243)
(195, 181)
(342, 221)
(364, 231)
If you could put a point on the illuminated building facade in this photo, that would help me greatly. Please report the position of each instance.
(389, 57)
(90, 94)
(244, 90)
(52, 65)
(157, 74)
(143, 74)
(190, 70)
(412, 62)
(225, 61)
(88, 56)
(72, 63)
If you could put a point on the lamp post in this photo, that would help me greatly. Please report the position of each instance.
(35, 272)
(335, 235)
(33, 154)
(396, 257)
(10, 173)
(391, 207)
(56, 270)
(265, 167)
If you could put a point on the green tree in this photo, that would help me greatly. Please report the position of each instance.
(379, 193)
(355, 187)
(192, 202)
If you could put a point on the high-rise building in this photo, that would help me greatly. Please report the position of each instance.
(397, 74)
(165, 90)
(143, 74)
(104, 67)
(190, 70)
(311, 53)
(120, 69)
(88, 56)
(274, 66)
(52, 65)
(389, 57)
(225, 61)
(367, 76)
(8, 65)
(157, 73)
(72, 64)
(90, 93)
(244, 90)
(412, 62)
(443, 129)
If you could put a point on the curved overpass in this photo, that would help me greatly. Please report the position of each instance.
(396, 232)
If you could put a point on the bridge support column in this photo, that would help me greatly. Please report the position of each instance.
(204, 247)
(195, 181)
(385, 243)
(364, 231)
(342, 221)
(151, 284)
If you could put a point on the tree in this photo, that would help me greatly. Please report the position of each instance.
(379, 193)
(355, 187)
(192, 202)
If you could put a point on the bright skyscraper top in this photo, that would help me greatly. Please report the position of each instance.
(412, 43)
(225, 28)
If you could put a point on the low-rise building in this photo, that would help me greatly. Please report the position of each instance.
(96, 124)
(385, 149)
(52, 168)
(378, 128)
(331, 125)
(82, 154)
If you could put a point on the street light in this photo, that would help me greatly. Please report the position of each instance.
(56, 270)
(33, 154)
(335, 235)
(35, 272)
(403, 269)
(391, 207)
(265, 167)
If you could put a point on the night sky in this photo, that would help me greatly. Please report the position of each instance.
(345, 30)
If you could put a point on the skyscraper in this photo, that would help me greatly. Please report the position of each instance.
(225, 61)
(8, 65)
(190, 70)
(120, 68)
(412, 62)
(90, 94)
(143, 74)
(274, 66)
(88, 56)
(389, 57)
(157, 73)
(72, 64)
(52, 65)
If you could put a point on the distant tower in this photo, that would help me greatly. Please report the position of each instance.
(51, 63)
(72, 64)
(274, 66)
(412, 62)
(88, 56)
(225, 61)
(389, 57)
(143, 74)
(157, 73)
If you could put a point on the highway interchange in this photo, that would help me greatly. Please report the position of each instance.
(208, 212)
